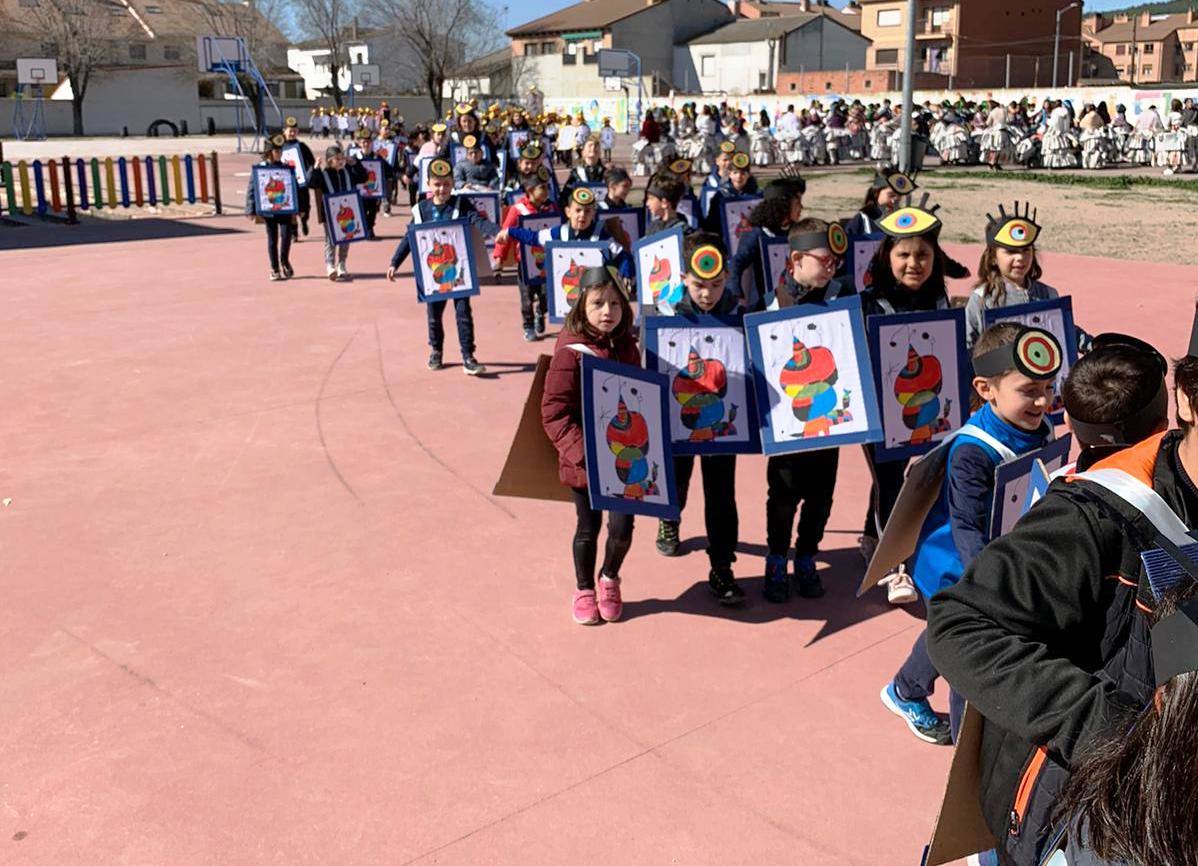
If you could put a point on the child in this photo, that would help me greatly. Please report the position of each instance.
(279, 229)
(703, 260)
(590, 168)
(888, 187)
(475, 173)
(600, 324)
(808, 477)
(619, 184)
(1008, 272)
(781, 208)
(371, 206)
(719, 171)
(740, 184)
(906, 276)
(580, 225)
(661, 201)
(1015, 384)
(533, 306)
(530, 159)
(443, 206)
(290, 134)
(335, 177)
(607, 139)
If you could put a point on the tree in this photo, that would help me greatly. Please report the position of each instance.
(79, 34)
(327, 21)
(438, 35)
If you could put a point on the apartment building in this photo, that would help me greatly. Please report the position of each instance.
(1144, 48)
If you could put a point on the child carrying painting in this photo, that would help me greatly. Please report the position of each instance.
(279, 229)
(599, 324)
(704, 275)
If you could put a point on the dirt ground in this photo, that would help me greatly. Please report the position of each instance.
(1141, 223)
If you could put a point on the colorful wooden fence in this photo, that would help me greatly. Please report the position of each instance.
(62, 187)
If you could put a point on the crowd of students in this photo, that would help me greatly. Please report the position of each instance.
(1048, 631)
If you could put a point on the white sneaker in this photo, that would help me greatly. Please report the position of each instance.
(1168, 171)
(899, 587)
(342, 273)
(332, 274)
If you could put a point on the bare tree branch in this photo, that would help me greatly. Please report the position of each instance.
(328, 22)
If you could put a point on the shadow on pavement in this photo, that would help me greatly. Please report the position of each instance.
(96, 231)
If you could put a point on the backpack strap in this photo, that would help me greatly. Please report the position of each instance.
(582, 349)
(1141, 497)
(1004, 453)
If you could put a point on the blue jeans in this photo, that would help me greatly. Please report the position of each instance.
(436, 331)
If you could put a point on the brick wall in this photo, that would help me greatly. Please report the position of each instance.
(854, 81)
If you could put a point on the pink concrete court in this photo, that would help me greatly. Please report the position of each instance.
(260, 608)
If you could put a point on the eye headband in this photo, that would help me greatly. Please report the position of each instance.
(834, 238)
(901, 183)
(440, 168)
(680, 166)
(740, 159)
(291, 121)
(911, 220)
(1034, 353)
(1013, 231)
(706, 262)
(438, 127)
(277, 141)
(582, 196)
(727, 147)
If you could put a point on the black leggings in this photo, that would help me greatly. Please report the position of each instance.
(586, 540)
(888, 481)
(278, 240)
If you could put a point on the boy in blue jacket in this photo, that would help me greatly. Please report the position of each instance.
(1014, 368)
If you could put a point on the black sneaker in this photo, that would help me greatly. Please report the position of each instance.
(471, 367)
(530, 336)
(304, 226)
(667, 537)
(777, 582)
(807, 578)
(540, 326)
(722, 585)
(288, 272)
(434, 361)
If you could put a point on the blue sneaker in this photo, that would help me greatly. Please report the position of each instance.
(807, 578)
(777, 581)
(919, 716)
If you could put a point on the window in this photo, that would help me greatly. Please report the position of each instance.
(137, 52)
(707, 65)
(590, 57)
(597, 46)
(569, 59)
(171, 52)
(868, 84)
(762, 80)
(1146, 70)
(890, 17)
(792, 87)
(938, 17)
(1120, 49)
(549, 47)
(532, 49)
(827, 85)
(1149, 48)
(571, 47)
(886, 56)
(1187, 46)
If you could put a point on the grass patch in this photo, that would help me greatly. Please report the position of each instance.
(1085, 181)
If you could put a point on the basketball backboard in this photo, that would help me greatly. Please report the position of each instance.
(37, 70)
(616, 63)
(215, 53)
(364, 75)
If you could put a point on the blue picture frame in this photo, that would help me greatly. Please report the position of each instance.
(659, 360)
(516, 139)
(1027, 314)
(954, 318)
(1012, 480)
(658, 454)
(856, 268)
(534, 222)
(382, 175)
(285, 174)
(622, 213)
(769, 271)
(292, 150)
(334, 230)
(464, 235)
(599, 190)
(644, 292)
(803, 316)
(558, 308)
(744, 203)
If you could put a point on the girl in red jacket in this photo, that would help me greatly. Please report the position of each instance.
(600, 324)
(533, 305)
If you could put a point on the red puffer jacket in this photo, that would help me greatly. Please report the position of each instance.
(561, 407)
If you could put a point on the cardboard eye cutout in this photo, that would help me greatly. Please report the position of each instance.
(838, 241)
(440, 168)
(740, 159)
(707, 262)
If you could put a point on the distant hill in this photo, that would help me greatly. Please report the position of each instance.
(1165, 8)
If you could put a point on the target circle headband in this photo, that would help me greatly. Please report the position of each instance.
(680, 166)
(740, 159)
(727, 147)
(706, 262)
(469, 142)
(1035, 353)
(440, 168)
(277, 140)
(833, 238)
(530, 151)
(582, 196)
(291, 121)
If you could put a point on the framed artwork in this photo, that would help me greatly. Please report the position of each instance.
(457, 153)
(659, 269)
(564, 263)
(422, 164)
(858, 256)
(275, 191)
(386, 149)
(688, 206)
(705, 196)
(598, 189)
(375, 186)
(812, 377)
(706, 359)
(630, 218)
(292, 155)
(734, 220)
(487, 205)
(444, 258)
(532, 259)
(1037, 485)
(516, 139)
(1013, 480)
(1056, 317)
(775, 262)
(923, 376)
(630, 468)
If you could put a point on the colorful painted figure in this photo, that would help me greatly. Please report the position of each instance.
(346, 221)
(570, 283)
(917, 388)
(700, 390)
(443, 260)
(628, 439)
(372, 182)
(808, 379)
(664, 292)
(276, 193)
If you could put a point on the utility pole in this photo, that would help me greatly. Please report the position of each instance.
(908, 89)
(1056, 43)
(1008, 71)
(1134, 24)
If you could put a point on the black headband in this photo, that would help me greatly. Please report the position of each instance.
(1145, 420)
(1175, 643)
(598, 276)
(1034, 353)
(832, 238)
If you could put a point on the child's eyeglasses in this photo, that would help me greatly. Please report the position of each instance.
(829, 262)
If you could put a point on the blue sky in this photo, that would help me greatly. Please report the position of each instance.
(530, 9)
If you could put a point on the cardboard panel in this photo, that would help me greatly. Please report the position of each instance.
(960, 827)
(530, 471)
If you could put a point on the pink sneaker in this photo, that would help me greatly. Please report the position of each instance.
(611, 606)
(585, 611)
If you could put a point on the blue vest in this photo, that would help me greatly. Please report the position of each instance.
(937, 563)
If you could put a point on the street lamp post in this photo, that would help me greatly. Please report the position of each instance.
(1056, 43)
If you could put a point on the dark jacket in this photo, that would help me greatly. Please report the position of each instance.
(677, 219)
(746, 271)
(726, 192)
(561, 405)
(793, 294)
(1044, 637)
(728, 306)
(328, 182)
(455, 208)
(879, 302)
